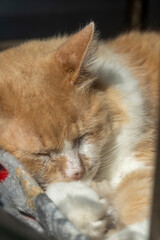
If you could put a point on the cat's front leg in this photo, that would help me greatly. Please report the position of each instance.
(82, 206)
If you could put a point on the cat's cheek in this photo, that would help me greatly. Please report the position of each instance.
(90, 156)
(54, 171)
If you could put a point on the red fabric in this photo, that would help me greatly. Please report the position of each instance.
(3, 173)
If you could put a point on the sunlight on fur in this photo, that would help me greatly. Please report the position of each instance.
(81, 116)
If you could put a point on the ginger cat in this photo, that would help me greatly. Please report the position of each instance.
(81, 115)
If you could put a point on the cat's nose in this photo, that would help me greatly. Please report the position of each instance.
(77, 174)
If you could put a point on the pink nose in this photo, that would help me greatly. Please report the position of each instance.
(77, 175)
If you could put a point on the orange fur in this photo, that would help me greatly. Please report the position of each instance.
(48, 95)
(133, 197)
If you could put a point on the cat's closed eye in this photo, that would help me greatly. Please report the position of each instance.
(42, 154)
(50, 153)
(78, 141)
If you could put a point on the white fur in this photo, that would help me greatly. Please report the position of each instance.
(137, 231)
(74, 165)
(89, 150)
(129, 165)
(81, 205)
(92, 152)
(72, 189)
(73, 161)
(111, 70)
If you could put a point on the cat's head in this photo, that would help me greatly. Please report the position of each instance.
(53, 118)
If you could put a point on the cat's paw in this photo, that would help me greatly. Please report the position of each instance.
(82, 206)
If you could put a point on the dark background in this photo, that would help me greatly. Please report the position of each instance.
(25, 19)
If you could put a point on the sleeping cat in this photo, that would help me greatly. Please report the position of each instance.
(81, 115)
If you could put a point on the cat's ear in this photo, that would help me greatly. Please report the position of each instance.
(73, 54)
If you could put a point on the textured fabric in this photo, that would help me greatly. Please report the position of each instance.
(3, 173)
(22, 197)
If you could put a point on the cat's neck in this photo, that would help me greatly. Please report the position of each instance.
(111, 70)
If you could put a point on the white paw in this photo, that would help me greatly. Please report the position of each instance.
(82, 206)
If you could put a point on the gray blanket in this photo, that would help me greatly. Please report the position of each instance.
(23, 198)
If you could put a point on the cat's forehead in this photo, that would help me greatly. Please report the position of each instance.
(55, 122)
